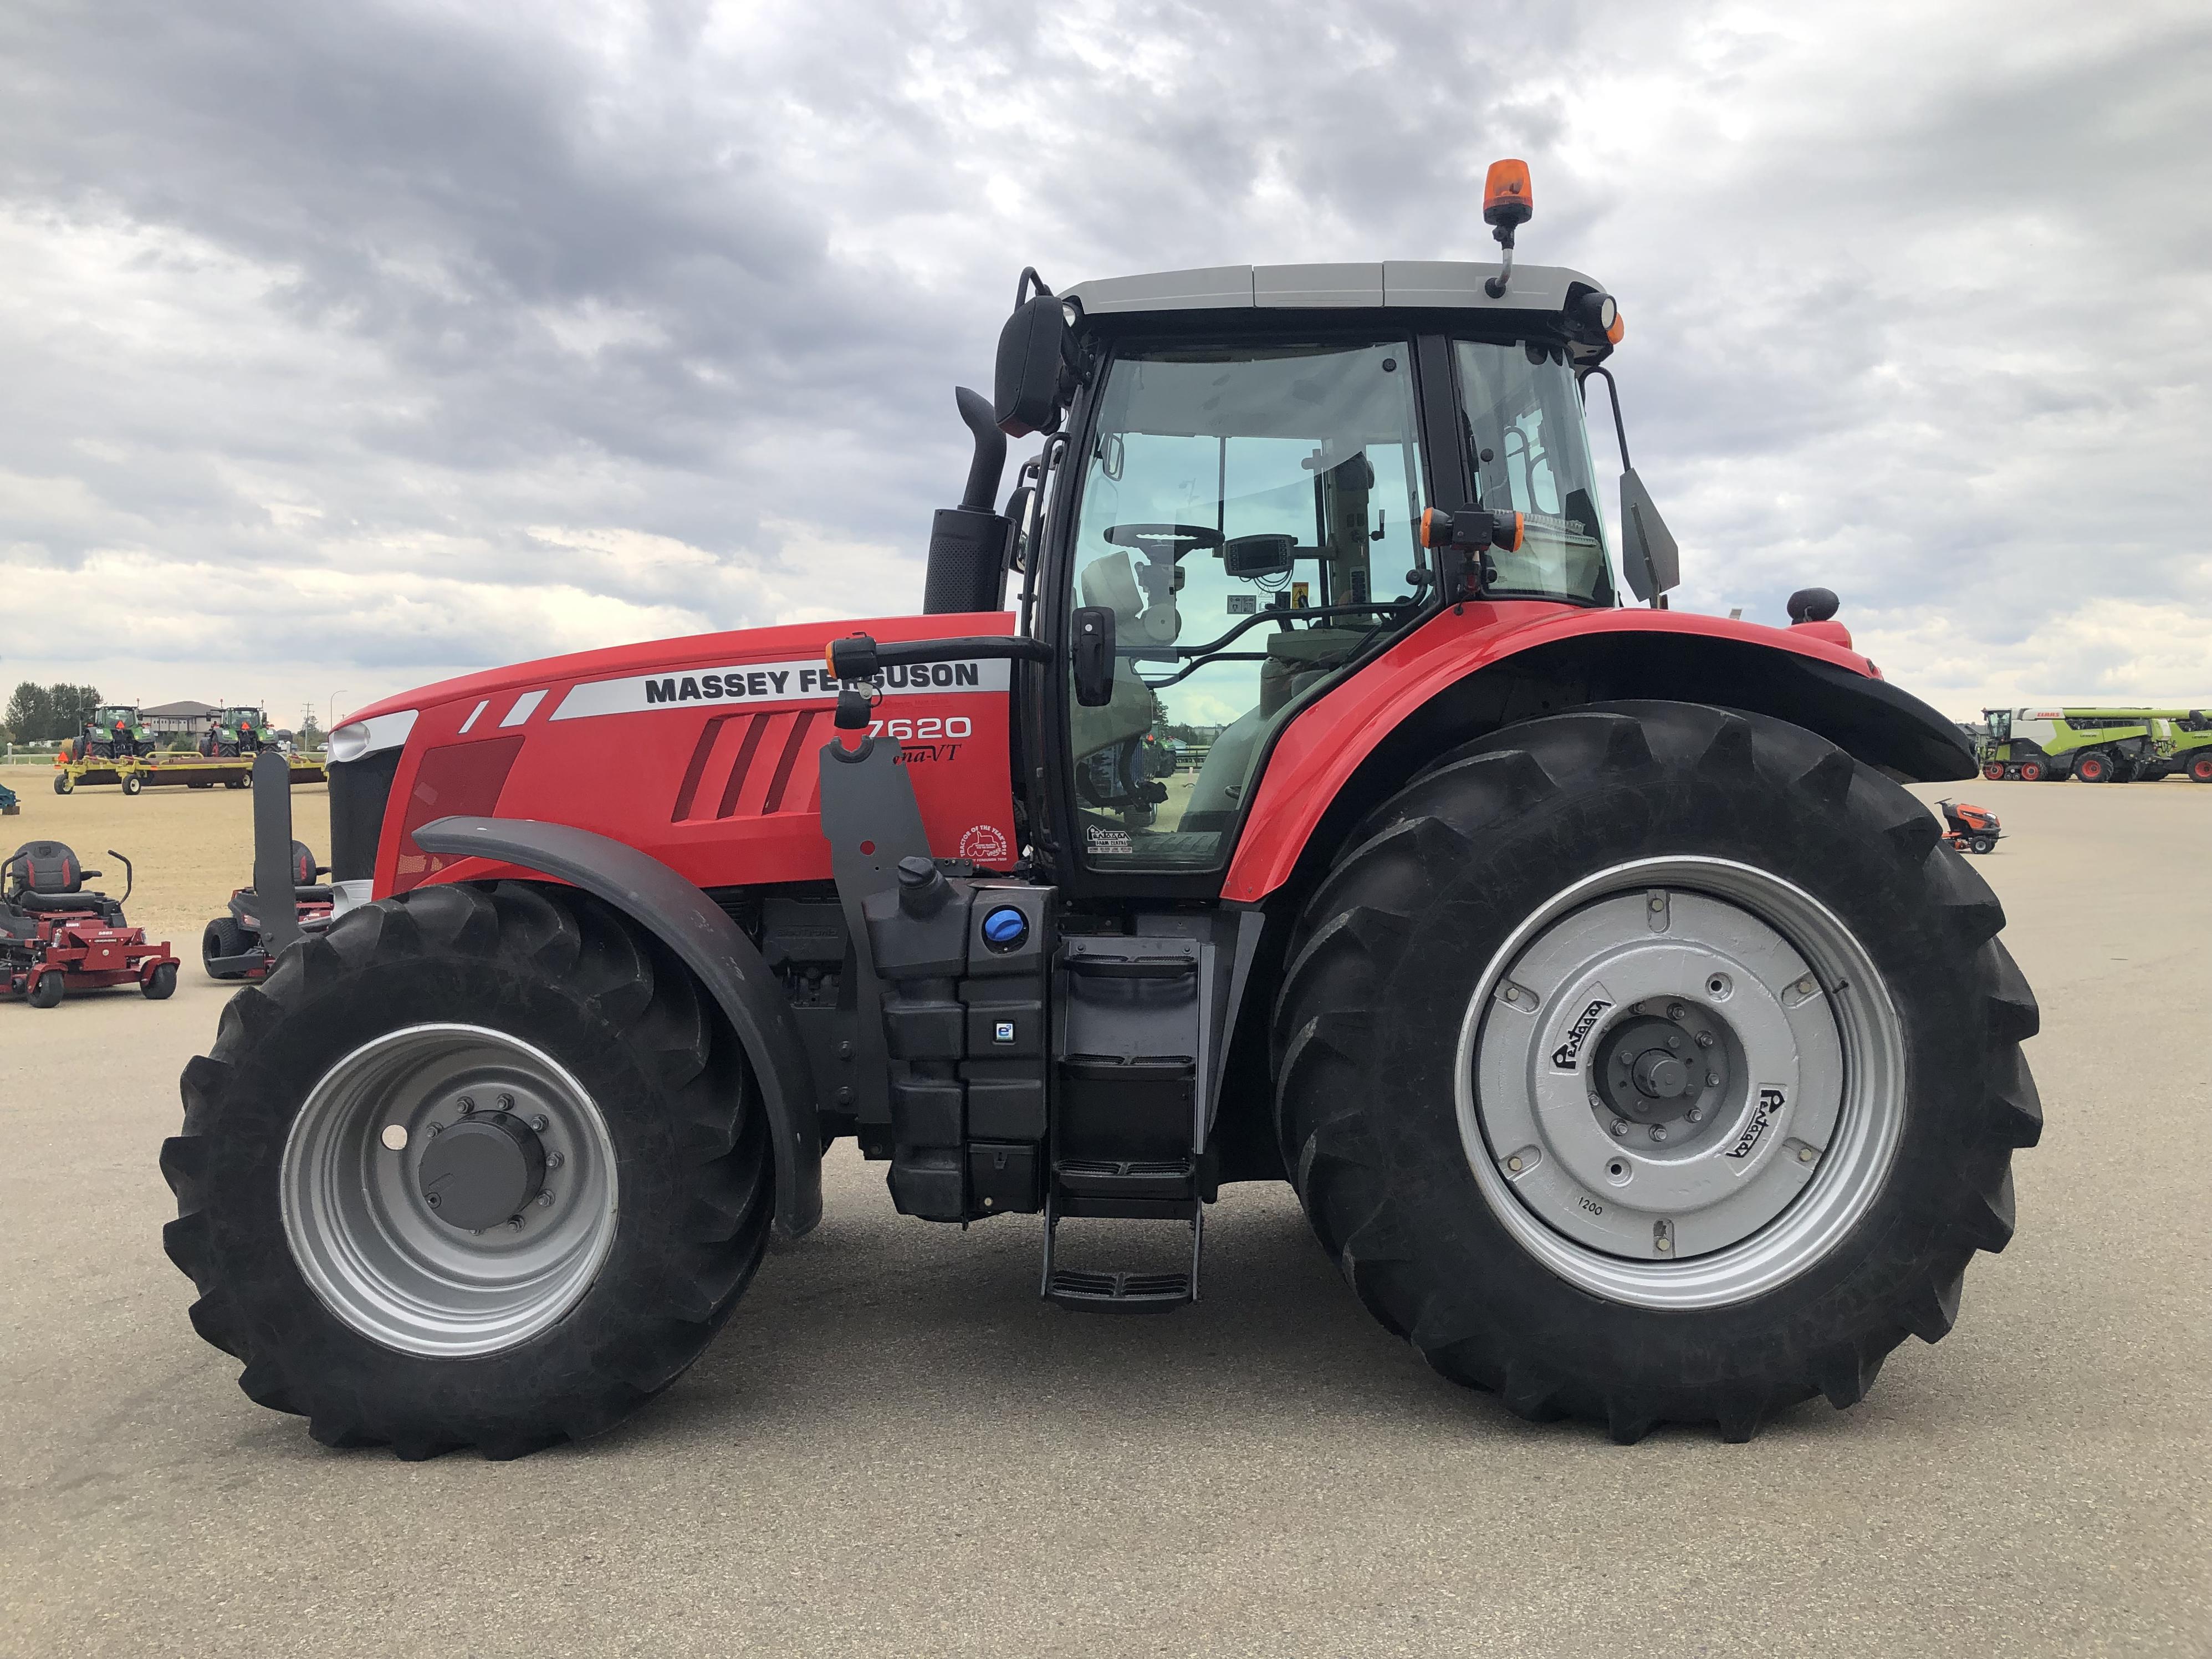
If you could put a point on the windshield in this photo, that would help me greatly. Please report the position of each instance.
(1248, 516)
(2000, 721)
(1522, 426)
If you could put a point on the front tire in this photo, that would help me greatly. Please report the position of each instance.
(132, 783)
(1629, 874)
(309, 1207)
(2093, 767)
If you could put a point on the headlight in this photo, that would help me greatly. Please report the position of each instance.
(358, 737)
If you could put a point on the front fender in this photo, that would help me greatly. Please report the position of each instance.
(1482, 665)
(712, 946)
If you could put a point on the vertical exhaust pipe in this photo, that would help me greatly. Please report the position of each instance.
(967, 544)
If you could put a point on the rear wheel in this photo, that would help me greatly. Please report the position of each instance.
(1654, 1064)
(62, 784)
(477, 1167)
(223, 938)
(1982, 844)
(132, 783)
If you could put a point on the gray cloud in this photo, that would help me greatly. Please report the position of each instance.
(455, 335)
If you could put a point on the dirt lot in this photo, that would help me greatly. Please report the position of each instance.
(894, 1448)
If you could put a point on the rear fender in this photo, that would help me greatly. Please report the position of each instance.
(1472, 671)
(712, 946)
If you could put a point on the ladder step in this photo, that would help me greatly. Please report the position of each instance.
(1124, 1292)
(1129, 1178)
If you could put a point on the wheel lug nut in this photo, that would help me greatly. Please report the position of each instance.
(541, 1123)
(1658, 1132)
(544, 1200)
(1675, 1041)
(1712, 1079)
(1621, 1126)
(468, 1104)
(1695, 1113)
(515, 1222)
(555, 1160)
(507, 1102)
(1676, 1011)
(1705, 1039)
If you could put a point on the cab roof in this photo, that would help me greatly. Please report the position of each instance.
(1424, 284)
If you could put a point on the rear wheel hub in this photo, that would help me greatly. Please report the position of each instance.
(1684, 1082)
(482, 1170)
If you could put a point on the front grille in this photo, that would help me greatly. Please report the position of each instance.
(360, 791)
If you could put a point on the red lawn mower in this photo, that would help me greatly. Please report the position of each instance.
(56, 937)
(235, 946)
(1968, 827)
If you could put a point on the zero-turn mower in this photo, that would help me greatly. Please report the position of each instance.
(56, 937)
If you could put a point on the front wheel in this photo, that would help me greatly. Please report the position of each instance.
(132, 783)
(48, 992)
(1993, 771)
(162, 984)
(2093, 767)
(2200, 770)
(1655, 1063)
(477, 1167)
(62, 784)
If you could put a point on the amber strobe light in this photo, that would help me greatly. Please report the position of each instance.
(1507, 204)
(1507, 200)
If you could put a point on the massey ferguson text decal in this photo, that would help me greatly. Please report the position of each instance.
(1566, 1055)
(764, 683)
(1770, 1103)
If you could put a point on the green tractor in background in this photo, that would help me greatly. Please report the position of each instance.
(115, 731)
(237, 731)
(2097, 745)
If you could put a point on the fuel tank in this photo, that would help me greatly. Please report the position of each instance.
(701, 752)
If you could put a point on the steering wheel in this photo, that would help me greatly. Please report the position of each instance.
(1155, 539)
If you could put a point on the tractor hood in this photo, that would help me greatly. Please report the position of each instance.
(703, 751)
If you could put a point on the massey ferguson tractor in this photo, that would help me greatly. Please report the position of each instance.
(1635, 1047)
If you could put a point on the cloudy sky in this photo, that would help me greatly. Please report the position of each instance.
(343, 346)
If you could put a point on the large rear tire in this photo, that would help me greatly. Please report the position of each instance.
(2094, 767)
(605, 1103)
(1555, 903)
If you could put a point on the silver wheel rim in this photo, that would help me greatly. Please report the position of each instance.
(1789, 1150)
(370, 1243)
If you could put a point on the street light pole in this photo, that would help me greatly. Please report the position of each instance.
(330, 709)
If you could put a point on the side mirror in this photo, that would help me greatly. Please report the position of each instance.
(1094, 656)
(1649, 558)
(1247, 557)
(1026, 395)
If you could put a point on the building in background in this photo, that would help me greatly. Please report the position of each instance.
(170, 720)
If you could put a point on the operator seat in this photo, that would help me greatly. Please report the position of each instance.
(46, 877)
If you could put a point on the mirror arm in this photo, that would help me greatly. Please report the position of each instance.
(1619, 426)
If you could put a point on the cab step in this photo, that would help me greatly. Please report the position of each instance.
(1130, 1291)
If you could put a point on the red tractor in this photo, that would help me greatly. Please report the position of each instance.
(1968, 827)
(1635, 1047)
(56, 937)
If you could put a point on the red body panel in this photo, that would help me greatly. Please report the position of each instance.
(719, 777)
(1324, 746)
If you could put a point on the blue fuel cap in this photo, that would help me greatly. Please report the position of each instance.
(1005, 927)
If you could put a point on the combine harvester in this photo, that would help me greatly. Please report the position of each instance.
(2097, 745)
(1635, 1047)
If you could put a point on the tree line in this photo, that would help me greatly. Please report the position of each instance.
(45, 714)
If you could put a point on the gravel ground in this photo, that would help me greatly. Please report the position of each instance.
(894, 1448)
